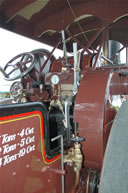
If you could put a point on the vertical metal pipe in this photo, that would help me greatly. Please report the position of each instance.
(62, 162)
(62, 157)
(67, 120)
(75, 68)
(68, 103)
(76, 181)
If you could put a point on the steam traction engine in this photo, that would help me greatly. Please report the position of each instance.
(55, 128)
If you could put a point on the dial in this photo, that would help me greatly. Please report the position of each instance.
(55, 79)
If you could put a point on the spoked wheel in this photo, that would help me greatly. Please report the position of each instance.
(114, 175)
(19, 66)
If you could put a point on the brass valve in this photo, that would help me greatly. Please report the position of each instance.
(74, 157)
(78, 157)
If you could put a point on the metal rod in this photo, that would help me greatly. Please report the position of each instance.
(62, 157)
(78, 41)
(76, 73)
(48, 58)
(126, 54)
(64, 46)
(93, 38)
(68, 103)
(106, 44)
(66, 114)
(75, 66)
(106, 59)
(98, 53)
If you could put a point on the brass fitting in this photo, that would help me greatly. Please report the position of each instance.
(69, 158)
(78, 157)
(74, 157)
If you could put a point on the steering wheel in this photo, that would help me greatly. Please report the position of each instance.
(19, 66)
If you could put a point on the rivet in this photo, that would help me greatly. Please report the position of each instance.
(27, 166)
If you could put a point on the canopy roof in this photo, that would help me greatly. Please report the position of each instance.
(43, 20)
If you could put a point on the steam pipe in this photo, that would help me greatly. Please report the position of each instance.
(76, 181)
(75, 157)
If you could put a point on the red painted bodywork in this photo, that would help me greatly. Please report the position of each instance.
(92, 102)
(33, 172)
(89, 23)
(28, 171)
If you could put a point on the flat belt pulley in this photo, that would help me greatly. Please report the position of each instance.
(94, 115)
(114, 175)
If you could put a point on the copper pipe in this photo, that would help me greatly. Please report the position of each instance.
(76, 181)
(88, 179)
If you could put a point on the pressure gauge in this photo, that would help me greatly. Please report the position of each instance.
(55, 79)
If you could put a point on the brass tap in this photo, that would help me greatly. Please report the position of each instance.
(78, 157)
(69, 158)
(74, 157)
